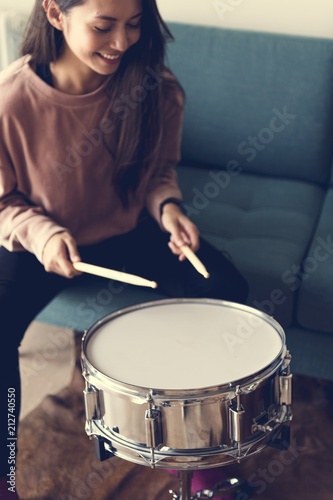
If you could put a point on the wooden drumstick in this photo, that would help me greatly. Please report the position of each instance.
(113, 275)
(195, 261)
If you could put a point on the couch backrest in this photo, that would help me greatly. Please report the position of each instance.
(260, 100)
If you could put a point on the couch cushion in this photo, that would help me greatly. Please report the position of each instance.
(315, 308)
(263, 223)
(79, 307)
(311, 352)
(262, 99)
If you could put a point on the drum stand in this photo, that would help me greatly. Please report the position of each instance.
(225, 488)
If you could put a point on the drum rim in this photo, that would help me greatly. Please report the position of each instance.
(136, 390)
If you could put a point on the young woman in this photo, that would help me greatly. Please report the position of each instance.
(90, 131)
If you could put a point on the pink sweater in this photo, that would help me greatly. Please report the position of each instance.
(55, 172)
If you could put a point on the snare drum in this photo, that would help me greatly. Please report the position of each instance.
(186, 383)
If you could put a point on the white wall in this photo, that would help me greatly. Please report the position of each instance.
(300, 17)
(23, 5)
(303, 17)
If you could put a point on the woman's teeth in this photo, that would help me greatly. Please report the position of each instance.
(108, 56)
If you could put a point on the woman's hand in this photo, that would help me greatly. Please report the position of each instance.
(59, 253)
(182, 230)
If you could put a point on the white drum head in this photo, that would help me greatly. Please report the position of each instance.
(185, 345)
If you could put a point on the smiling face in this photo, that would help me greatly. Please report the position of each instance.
(97, 34)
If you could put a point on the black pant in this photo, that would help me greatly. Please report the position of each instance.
(25, 288)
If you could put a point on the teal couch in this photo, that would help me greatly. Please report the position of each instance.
(256, 173)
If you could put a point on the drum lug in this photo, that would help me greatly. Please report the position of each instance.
(153, 421)
(286, 363)
(236, 420)
(285, 389)
(94, 403)
(285, 382)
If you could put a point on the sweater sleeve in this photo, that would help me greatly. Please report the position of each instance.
(164, 181)
(23, 225)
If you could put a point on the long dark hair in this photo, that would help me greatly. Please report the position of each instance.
(138, 135)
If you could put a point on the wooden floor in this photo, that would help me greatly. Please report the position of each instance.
(47, 361)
